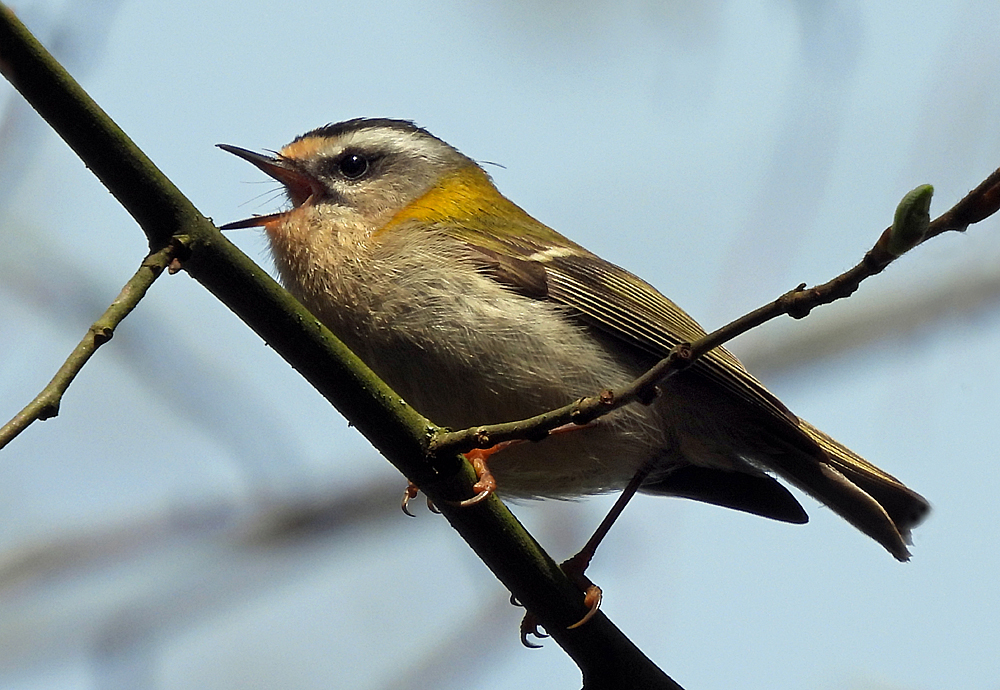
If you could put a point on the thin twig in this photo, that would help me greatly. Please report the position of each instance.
(46, 403)
(976, 206)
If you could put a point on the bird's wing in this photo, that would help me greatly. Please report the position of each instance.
(540, 263)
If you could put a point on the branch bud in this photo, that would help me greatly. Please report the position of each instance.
(911, 221)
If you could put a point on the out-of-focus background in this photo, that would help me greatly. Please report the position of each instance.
(198, 517)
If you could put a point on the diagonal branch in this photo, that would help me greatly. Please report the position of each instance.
(606, 657)
(46, 403)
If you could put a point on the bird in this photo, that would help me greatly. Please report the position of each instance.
(477, 313)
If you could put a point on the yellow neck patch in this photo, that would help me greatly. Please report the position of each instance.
(466, 198)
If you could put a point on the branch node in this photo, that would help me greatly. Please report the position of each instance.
(583, 413)
(482, 438)
(49, 408)
(102, 334)
(799, 302)
(180, 249)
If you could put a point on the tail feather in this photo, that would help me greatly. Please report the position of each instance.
(875, 502)
(906, 508)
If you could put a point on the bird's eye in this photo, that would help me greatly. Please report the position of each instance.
(353, 166)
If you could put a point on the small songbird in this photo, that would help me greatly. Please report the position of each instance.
(476, 313)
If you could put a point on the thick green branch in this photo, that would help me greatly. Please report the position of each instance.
(606, 657)
(127, 173)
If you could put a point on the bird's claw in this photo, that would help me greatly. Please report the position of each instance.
(529, 626)
(486, 483)
(592, 599)
(408, 495)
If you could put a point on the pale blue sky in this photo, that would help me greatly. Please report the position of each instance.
(725, 151)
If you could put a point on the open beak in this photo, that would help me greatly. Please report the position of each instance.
(299, 185)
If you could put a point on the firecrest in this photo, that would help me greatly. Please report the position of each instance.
(477, 313)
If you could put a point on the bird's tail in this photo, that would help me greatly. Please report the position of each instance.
(874, 501)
